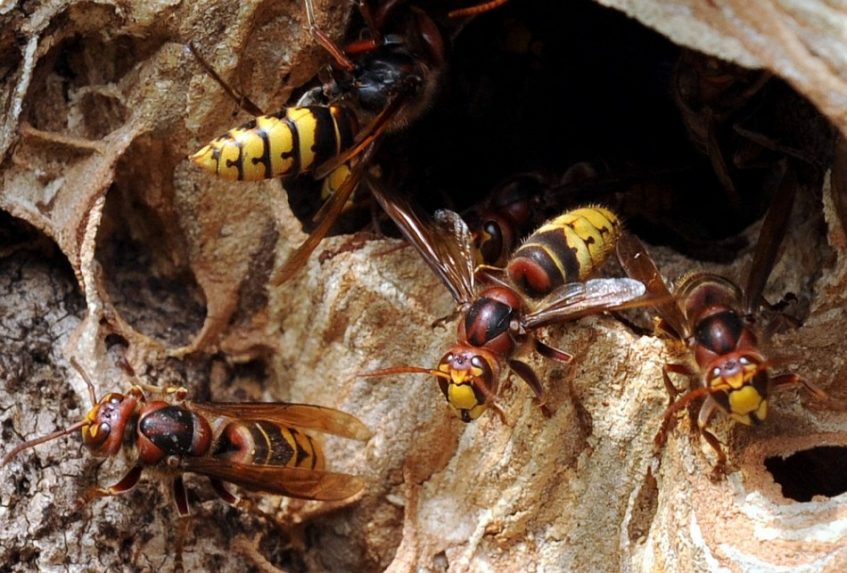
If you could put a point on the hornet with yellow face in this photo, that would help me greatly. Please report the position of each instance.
(379, 83)
(498, 322)
(731, 373)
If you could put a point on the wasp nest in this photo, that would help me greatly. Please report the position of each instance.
(113, 247)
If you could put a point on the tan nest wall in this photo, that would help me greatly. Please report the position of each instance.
(103, 155)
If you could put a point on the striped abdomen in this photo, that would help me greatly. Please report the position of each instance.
(566, 249)
(285, 144)
(264, 443)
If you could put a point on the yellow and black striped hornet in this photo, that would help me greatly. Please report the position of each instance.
(259, 446)
(566, 249)
(378, 85)
(498, 322)
(516, 206)
(285, 144)
(711, 315)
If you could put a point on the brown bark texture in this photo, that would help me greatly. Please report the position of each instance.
(115, 246)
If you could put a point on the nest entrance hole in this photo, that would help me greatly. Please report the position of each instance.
(809, 473)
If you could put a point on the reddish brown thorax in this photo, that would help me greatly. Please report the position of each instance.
(171, 430)
(488, 322)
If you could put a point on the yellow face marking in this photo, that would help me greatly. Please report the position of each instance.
(477, 411)
(735, 381)
(749, 370)
(459, 376)
(307, 124)
(461, 396)
(91, 428)
(480, 242)
(762, 412)
(744, 401)
(464, 376)
(91, 416)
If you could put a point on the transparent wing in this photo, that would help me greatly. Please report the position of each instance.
(329, 213)
(574, 300)
(639, 265)
(366, 136)
(445, 243)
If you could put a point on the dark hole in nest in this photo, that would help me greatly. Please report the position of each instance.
(75, 86)
(807, 473)
(595, 87)
(116, 341)
(278, 550)
(7, 430)
(33, 247)
(143, 255)
(545, 86)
